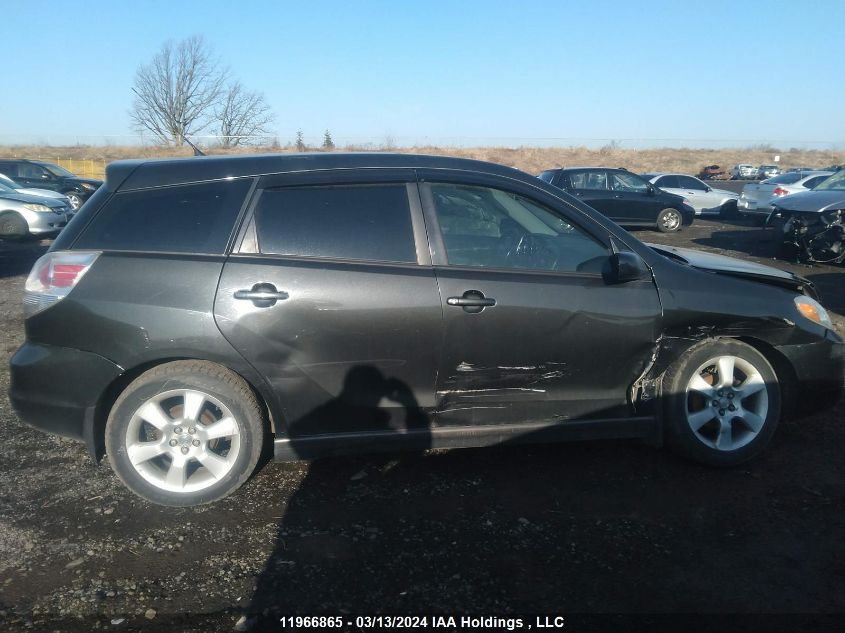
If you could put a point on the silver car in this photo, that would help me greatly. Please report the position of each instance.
(756, 198)
(704, 199)
(22, 214)
(743, 171)
(45, 193)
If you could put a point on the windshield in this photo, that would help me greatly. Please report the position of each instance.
(58, 171)
(835, 183)
(8, 182)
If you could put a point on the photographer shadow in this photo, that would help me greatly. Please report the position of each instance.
(324, 532)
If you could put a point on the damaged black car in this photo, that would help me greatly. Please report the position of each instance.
(812, 223)
(199, 311)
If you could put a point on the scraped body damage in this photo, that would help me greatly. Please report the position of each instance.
(554, 348)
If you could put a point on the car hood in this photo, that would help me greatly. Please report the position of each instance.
(817, 201)
(29, 199)
(724, 265)
(41, 193)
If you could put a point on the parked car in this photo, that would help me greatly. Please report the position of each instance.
(713, 172)
(45, 193)
(35, 173)
(743, 171)
(623, 197)
(767, 171)
(756, 198)
(704, 199)
(812, 223)
(24, 214)
(344, 303)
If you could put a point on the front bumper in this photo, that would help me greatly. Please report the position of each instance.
(820, 372)
(56, 389)
(42, 223)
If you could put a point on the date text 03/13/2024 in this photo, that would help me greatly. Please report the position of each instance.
(445, 622)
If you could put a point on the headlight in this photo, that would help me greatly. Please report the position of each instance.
(40, 208)
(87, 185)
(813, 310)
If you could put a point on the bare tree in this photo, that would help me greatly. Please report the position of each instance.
(176, 93)
(242, 115)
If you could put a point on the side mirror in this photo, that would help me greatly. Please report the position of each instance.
(45, 176)
(623, 267)
(650, 190)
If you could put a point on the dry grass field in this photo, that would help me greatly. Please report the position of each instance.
(90, 160)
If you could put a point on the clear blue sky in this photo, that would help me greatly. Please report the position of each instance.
(469, 71)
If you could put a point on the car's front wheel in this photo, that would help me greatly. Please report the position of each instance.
(185, 433)
(75, 200)
(669, 220)
(13, 226)
(721, 402)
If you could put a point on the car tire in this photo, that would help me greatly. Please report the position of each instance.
(728, 210)
(698, 393)
(669, 220)
(185, 433)
(75, 200)
(13, 226)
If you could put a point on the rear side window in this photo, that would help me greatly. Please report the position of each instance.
(183, 219)
(588, 180)
(668, 182)
(548, 175)
(811, 183)
(356, 222)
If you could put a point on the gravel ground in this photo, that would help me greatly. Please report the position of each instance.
(600, 527)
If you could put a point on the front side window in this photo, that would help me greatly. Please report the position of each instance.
(182, 219)
(353, 222)
(622, 181)
(591, 180)
(491, 228)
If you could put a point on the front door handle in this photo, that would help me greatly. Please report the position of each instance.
(262, 295)
(472, 301)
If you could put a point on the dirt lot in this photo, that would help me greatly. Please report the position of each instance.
(579, 528)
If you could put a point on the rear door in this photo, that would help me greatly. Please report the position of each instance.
(591, 186)
(332, 298)
(531, 331)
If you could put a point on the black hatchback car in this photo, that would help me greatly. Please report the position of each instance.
(625, 198)
(199, 310)
(40, 175)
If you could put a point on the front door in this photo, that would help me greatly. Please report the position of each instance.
(330, 302)
(531, 330)
(633, 199)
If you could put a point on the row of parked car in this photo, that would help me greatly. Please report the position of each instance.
(38, 198)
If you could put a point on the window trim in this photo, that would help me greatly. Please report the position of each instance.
(439, 255)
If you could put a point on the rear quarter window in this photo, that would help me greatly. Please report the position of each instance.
(184, 219)
(351, 222)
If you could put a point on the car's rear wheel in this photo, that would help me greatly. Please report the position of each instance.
(669, 220)
(185, 433)
(722, 402)
(13, 226)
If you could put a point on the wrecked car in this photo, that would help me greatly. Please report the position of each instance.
(811, 223)
(198, 311)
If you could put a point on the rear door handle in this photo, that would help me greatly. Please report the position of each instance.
(263, 295)
(472, 301)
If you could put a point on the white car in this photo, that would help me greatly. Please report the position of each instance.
(702, 197)
(743, 171)
(756, 198)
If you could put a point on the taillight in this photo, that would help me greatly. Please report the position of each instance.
(53, 277)
(780, 191)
